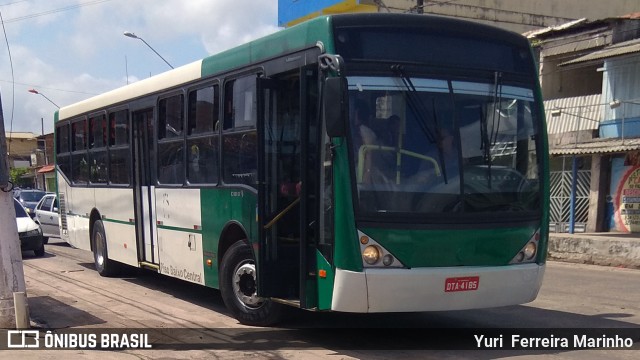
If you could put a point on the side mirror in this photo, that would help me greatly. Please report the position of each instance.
(335, 105)
(55, 209)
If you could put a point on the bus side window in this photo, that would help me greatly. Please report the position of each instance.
(63, 157)
(171, 140)
(170, 164)
(202, 141)
(240, 140)
(119, 171)
(79, 161)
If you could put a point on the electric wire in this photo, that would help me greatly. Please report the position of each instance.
(54, 11)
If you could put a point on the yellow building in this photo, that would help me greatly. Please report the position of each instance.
(20, 146)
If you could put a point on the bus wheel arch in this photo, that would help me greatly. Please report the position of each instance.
(232, 233)
(93, 217)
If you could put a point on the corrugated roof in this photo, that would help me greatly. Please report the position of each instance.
(623, 48)
(597, 146)
(584, 22)
(597, 41)
(567, 25)
(576, 114)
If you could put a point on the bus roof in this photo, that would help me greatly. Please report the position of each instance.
(297, 37)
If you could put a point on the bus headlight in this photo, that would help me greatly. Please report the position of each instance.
(371, 254)
(375, 255)
(387, 260)
(530, 251)
(527, 254)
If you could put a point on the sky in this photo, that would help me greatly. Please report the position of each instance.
(70, 50)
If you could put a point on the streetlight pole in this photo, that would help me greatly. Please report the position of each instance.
(34, 91)
(134, 36)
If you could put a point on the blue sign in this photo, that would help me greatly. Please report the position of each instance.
(291, 12)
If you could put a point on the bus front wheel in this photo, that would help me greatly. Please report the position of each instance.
(238, 287)
(104, 265)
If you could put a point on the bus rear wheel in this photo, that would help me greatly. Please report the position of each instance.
(238, 287)
(104, 265)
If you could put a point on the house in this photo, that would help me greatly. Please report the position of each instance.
(29, 151)
(590, 80)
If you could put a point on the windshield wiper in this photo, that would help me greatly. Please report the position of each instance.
(414, 103)
(419, 111)
(497, 105)
(489, 140)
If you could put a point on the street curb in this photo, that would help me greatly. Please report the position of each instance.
(597, 251)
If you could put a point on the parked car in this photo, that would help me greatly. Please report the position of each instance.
(47, 216)
(29, 199)
(29, 232)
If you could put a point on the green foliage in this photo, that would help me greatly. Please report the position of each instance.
(17, 179)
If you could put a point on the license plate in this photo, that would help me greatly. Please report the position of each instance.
(467, 283)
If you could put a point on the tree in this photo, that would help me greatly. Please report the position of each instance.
(16, 178)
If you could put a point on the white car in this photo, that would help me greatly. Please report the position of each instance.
(29, 232)
(47, 216)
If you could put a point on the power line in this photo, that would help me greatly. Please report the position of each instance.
(15, 2)
(49, 88)
(54, 11)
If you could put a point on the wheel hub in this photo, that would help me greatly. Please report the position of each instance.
(99, 251)
(245, 285)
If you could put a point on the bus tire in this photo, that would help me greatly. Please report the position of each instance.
(104, 265)
(238, 287)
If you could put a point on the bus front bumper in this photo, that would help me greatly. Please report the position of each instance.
(424, 289)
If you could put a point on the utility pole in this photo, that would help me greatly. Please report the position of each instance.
(12, 285)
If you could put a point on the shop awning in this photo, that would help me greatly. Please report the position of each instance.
(597, 146)
(46, 169)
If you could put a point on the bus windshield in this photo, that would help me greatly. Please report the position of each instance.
(434, 146)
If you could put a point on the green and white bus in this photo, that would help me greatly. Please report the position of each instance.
(357, 163)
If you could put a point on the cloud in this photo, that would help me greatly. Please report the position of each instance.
(71, 54)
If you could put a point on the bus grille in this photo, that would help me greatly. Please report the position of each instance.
(63, 211)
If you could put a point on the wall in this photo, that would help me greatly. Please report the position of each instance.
(562, 82)
(21, 148)
(522, 15)
(622, 81)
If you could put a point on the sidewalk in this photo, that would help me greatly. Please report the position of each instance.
(608, 249)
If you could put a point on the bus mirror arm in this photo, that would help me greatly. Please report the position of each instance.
(334, 105)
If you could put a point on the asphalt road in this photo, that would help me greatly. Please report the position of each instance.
(65, 292)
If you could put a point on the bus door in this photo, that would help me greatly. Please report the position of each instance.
(143, 190)
(284, 191)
